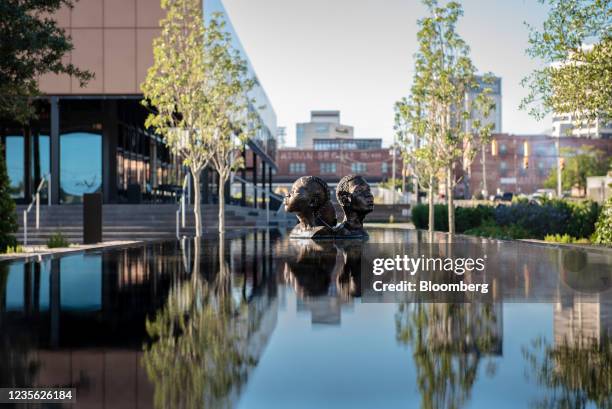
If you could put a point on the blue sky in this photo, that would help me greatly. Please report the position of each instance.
(357, 55)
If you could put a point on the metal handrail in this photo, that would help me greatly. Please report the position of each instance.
(36, 201)
(281, 209)
(180, 212)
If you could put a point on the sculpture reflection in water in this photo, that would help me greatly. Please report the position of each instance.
(448, 343)
(197, 357)
(325, 276)
(309, 199)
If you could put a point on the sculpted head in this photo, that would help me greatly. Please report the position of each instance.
(354, 195)
(307, 196)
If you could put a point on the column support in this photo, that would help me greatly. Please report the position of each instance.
(55, 151)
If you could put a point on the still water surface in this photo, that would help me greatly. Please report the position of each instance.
(259, 321)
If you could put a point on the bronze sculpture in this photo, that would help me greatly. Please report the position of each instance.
(355, 197)
(309, 199)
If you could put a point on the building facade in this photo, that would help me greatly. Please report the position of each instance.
(375, 165)
(566, 125)
(93, 139)
(322, 125)
(506, 170)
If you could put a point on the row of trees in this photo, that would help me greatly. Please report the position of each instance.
(575, 42)
(198, 90)
(431, 121)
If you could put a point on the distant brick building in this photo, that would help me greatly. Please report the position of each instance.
(375, 164)
(506, 171)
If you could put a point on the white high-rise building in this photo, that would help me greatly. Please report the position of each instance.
(567, 125)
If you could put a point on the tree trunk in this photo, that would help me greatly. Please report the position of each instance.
(221, 204)
(197, 211)
(485, 191)
(430, 197)
(450, 200)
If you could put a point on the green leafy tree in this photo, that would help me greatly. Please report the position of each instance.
(417, 141)
(579, 164)
(482, 129)
(603, 227)
(236, 119)
(436, 110)
(575, 42)
(8, 217)
(31, 45)
(195, 88)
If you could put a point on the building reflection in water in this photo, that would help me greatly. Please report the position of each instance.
(575, 369)
(80, 320)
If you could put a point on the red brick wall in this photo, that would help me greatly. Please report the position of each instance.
(372, 158)
(505, 171)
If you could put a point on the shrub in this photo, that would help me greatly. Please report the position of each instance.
(8, 217)
(492, 230)
(471, 217)
(14, 249)
(564, 238)
(583, 218)
(552, 217)
(420, 217)
(57, 240)
(465, 217)
(538, 220)
(603, 227)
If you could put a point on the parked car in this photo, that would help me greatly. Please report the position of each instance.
(507, 197)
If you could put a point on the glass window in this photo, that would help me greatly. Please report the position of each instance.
(328, 167)
(384, 167)
(503, 168)
(80, 165)
(14, 165)
(358, 167)
(322, 128)
(40, 164)
(297, 168)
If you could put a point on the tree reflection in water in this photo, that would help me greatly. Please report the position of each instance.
(197, 355)
(448, 342)
(573, 373)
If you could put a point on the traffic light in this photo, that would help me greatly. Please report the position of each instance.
(562, 163)
(494, 147)
(525, 162)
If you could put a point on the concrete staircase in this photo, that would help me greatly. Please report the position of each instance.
(134, 222)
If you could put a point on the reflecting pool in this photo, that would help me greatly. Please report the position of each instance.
(260, 321)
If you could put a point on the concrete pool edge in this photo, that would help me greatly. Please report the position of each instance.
(409, 226)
